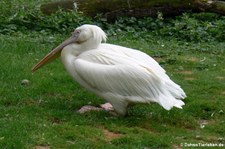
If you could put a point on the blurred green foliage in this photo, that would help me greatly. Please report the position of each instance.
(21, 16)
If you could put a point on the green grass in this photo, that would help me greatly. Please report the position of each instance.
(43, 113)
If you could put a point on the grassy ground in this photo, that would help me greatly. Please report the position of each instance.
(42, 113)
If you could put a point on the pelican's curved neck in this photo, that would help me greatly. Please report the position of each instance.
(90, 44)
(68, 55)
(73, 50)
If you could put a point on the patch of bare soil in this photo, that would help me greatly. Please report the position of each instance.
(111, 135)
(223, 93)
(42, 147)
(193, 59)
(189, 78)
(177, 147)
(158, 59)
(186, 72)
(220, 78)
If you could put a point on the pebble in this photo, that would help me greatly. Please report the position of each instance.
(198, 137)
(25, 82)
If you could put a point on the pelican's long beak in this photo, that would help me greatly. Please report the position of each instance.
(55, 53)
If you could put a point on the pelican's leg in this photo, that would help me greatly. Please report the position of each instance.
(120, 107)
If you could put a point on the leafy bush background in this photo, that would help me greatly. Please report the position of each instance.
(21, 16)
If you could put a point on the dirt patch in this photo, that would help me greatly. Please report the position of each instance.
(42, 147)
(177, 147)
(109, 135)
(186, 72)
(190, 59)
(220, 78)
(56, 121)
(189, 79)
(193, 59)
(223, 93)
(158, 59)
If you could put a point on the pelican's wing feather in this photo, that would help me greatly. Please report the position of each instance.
(136, 77)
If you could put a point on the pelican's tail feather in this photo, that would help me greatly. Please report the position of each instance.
(172, 95)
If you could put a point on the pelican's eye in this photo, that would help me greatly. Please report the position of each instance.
(76, 32)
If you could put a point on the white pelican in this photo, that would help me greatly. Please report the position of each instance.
(122, 76)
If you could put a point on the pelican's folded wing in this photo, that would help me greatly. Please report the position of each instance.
(107, 72)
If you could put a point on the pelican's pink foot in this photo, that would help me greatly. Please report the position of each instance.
(107, 106)
(88, 108)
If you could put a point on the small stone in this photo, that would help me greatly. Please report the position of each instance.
(25, 82)
(198, 137)
(221, 112)
(203, 123)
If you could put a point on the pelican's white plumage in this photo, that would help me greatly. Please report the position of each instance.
(121, 75)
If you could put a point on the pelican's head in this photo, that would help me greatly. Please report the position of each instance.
(89, 33)
(90, 36)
